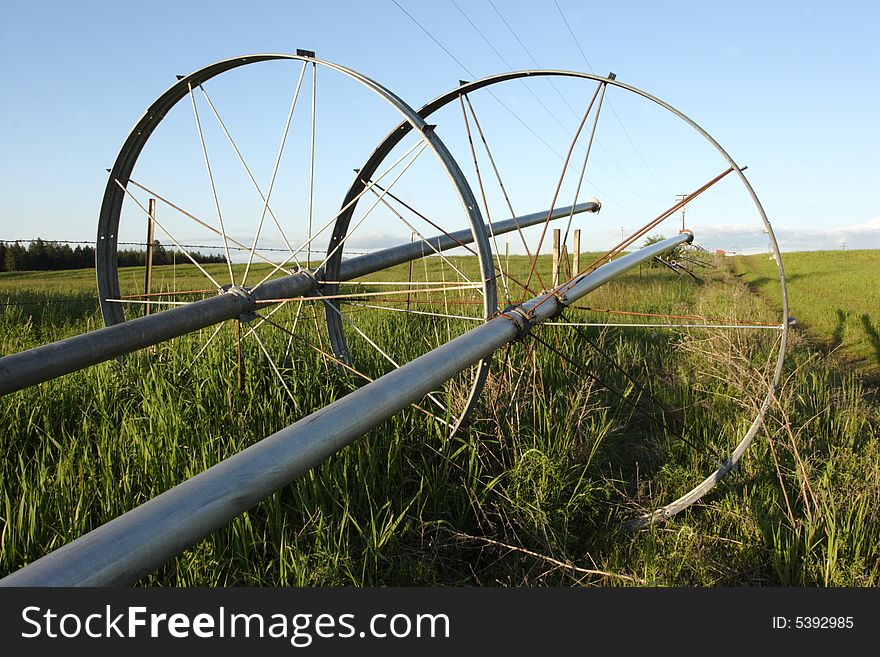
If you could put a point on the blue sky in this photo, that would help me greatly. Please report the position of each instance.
(791, 89)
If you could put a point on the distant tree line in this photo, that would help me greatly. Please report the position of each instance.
(42, 255)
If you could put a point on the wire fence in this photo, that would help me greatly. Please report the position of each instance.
(169, 247)
(5, 303)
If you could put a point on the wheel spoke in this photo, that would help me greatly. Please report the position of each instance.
(379, 349)
(274, 174)
(467, 126)
(584, 167)
(203, 349)
(715, 321)
(561, 179)
(213, 186)
(247, 170)
(166, 294)
(192, 217)
(176, 243)
(381, 196)
(635, 325)
(361, 295)
(663, 216)
(147, 302)
(312, 160)
(276, 370)
(416, 312)
(333, 219)
(513, 214)
(415, 231)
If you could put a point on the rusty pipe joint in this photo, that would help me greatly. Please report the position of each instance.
(520, 318)
(245, 299)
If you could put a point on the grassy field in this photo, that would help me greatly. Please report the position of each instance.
(833, 294)
(534, 491)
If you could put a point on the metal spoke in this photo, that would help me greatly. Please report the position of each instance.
(654, 222)
(634, 325)
(561, 179)
(584, 167)
(398, 283)
(375, 346)
(312, 161)
(213, 186)
(634, 236)
(274, 174)
(359, 295)
(166, 294)
(171, 237)
(416, 312)
(195, 219)
(381, 196)
(467, 126)
(697, 318)
(148, 302)
(239, 360)
(332, 219)
(262, 320)
(417, 232)
(500, 181)
(276, 370)
(202, 350)
(247, 170)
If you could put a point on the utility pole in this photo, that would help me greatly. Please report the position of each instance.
(682, 197)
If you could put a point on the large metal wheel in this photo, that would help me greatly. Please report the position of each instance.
(660, 377)
(523, 152)
(260, 162)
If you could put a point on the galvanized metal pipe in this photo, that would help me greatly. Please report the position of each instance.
(27, 368)
(134, 544)
(46, 362)
(397, 255)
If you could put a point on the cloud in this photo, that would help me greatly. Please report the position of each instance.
(374, 241)
(750, 239)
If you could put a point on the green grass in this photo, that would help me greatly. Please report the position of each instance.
(834, 294)
(551, 466)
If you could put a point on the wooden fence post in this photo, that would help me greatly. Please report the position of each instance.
(556, 254)
(148, 257)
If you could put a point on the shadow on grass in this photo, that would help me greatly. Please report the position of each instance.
(873, 335)
(760, 281)
(837, 334)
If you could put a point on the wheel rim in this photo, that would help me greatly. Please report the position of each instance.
(118, 193)
(432, 111)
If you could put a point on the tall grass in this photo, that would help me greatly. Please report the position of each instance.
(533, 491)
(833, 294)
